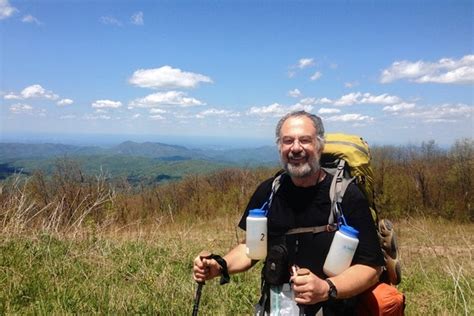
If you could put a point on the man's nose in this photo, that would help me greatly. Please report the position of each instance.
(296, 146)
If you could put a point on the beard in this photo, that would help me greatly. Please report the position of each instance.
(302, 169)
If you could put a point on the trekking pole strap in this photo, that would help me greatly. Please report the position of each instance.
(225, 277)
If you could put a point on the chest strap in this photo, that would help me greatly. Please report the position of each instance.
(313, 229)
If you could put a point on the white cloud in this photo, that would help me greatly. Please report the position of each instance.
(305, 63)
(399, 107)
(137, 18)
(351, 84)
(101, 111)
(166, 98)
(33, 91)
(351, 117)
(136, 115)
(64, 102)
(157, 111)
(167, 77)
(295, 93)
(6, 10)
(328, 111)
(21, 108)
(366, 98)
(11, 96)
(316, 76)
(277, 109)
(156, 117)
(217, 112)
(443, 113)
(30, 19)
(110, 20)
(89, 117)
(445, 70)
(106, 104)
(348, 99)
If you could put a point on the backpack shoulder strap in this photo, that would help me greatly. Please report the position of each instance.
(338, 187)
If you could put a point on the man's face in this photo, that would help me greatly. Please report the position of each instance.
(299, 149)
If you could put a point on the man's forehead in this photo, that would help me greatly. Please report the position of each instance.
(300, 125)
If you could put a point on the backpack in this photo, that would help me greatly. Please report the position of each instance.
(347, 158)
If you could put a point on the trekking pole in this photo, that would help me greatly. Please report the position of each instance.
(301, 272)
(197, 296)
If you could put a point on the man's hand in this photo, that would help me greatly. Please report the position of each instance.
(308, 288)
(205, 269)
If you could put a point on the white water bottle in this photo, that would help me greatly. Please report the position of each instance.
(342, 250)
(256, 234)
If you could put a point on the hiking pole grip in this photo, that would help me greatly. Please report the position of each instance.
(302, 272)
(197, 297)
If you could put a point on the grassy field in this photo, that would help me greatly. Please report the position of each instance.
(147, 270)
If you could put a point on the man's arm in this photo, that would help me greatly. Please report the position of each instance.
(309, 289)
(237, 261)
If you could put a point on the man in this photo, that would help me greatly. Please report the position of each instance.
(303, 201)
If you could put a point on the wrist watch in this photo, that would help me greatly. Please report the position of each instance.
(332, 292)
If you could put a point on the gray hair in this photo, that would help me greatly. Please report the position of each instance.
(317, 123)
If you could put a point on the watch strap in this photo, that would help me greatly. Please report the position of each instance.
(332, 292)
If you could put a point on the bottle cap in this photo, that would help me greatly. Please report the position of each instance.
(349, 231)
(257, 213)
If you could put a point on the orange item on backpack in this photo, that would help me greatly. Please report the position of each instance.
(381, 300)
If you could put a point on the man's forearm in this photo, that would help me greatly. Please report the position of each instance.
(237, 260)
(355, 280)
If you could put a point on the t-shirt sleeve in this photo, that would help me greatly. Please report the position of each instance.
(259, 197)
(357, 213)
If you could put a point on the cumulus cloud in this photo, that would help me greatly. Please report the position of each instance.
(137, 18)
(31, 92)
(217, 112)
(445, 70)
(328, 111)
(64, 102)
(6, 10)
(295, 93)
(167, 77)
(67, 117)
(276, 109)
(443, 113)
(106, 104)
(316, 76)
(157, 117)
(30, 19)
(178, 98)
(110, 20)
(21, 108)
(157, 111)
(90, 117)
(305, 63)
(399, 107)
(351, 117)
(366, 98)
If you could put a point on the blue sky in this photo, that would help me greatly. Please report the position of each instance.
(395, 72)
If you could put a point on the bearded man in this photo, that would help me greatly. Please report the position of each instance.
(302, 200)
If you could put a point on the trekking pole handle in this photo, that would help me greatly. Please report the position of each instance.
(197, 297)
(302, 272)
(204, 255)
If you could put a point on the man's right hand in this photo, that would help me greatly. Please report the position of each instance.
(205, 269)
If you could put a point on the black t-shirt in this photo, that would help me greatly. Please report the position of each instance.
(294, 207)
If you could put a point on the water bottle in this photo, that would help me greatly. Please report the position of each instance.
(256, 234)
(342, 250)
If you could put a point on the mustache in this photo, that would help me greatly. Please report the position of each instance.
(298, 155)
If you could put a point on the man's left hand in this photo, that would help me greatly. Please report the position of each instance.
(309, 289)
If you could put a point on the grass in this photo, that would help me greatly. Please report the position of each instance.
(147, 270)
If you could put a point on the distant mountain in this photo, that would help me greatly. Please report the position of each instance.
(47, 150)
(246, 156)
(154, 150)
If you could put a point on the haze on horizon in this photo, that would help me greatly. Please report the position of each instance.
(186, 72)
